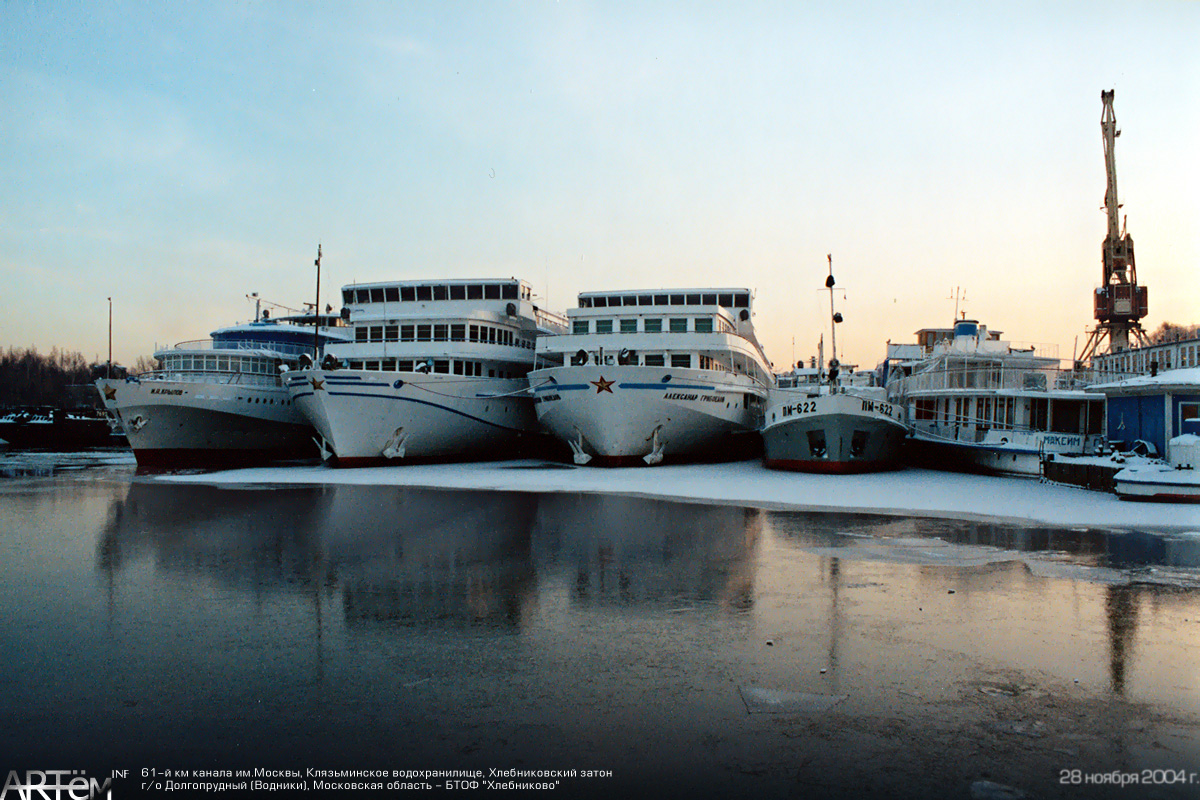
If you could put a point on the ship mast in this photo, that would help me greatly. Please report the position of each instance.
(1119, 302)
(834, 319)
(317, 311)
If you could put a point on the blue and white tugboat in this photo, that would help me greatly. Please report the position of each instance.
(827, 426)
(221, 402)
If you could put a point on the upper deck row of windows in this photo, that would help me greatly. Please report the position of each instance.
(436, 291)
(653, 325)
(726, 299)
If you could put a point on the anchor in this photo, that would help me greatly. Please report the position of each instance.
(655, 456)
(325, 450)
(581, 457)
(138, 422)
(395, 445)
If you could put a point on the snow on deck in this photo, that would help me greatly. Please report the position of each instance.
(911, 492)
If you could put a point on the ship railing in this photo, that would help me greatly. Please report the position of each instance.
(209, 376)
(550, 320)
(243, 345)
(947, 377)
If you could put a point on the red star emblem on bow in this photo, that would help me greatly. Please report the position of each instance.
(603, 385)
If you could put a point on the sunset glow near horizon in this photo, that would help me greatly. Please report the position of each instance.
(178, 157)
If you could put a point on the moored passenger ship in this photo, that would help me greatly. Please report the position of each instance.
(976, 401)
(644, 375)
(436, 369)
(221, 402)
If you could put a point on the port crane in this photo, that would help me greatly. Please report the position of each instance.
(1119, 303)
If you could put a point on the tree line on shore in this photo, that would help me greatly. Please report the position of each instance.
(59, 378)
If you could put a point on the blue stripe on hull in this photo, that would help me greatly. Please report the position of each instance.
(427, 403)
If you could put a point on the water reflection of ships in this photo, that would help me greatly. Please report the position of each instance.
(628, 550)
(442, 557)
(400, 557)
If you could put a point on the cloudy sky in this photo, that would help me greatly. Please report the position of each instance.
(179, 156)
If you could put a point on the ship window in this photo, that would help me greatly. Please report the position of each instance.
(645, 300)
(704, 325)
(404, 366)
(679, 325)
(1038, 413)
(423, 332)
(652, 326)
(441, 333)
(604, 326)
(600, 302)
(709, 300)
(475, 291)
(377, 295)
(223, 363)
(457, 332)
(391, 294)
(376, 333)
(655, 360)
(458, 368)
(406, 333)
(347, 296)
(585, 302)
(580, 326)
(391, 333)
(388, 365)
(371, 366)
(681, 360)
(441, 293)
(693, 299)
(491, 291)
(629, 326)
(629, 300)
(677, 299)
(926, 408)
(458, 292)
(741, 301)
(725, 300)
(363, 295)
(424, 292)
(661, 300)
(408, 293)
(509, 291)
(442, 367)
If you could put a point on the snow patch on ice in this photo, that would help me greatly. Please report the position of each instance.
(908, 492)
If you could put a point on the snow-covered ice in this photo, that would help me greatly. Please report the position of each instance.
(907, 492)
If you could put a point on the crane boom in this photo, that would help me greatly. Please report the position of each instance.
(1108, 126)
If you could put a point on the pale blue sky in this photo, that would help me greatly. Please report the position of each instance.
(179, 156)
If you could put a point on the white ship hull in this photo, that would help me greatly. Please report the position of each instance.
(176, 424)
(836, 433)
(629, 414)
(1008, 451)
(371, 417)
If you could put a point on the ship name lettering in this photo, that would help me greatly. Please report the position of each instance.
(679, 396)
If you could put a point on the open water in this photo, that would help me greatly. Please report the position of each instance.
(154, 630)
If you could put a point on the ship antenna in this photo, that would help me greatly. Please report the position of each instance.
(834, 319)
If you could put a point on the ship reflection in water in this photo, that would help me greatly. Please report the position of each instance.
(348, 626)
